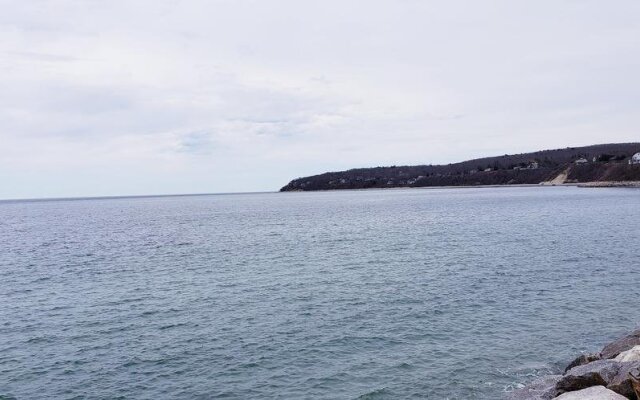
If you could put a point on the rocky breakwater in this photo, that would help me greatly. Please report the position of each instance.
(613, 374)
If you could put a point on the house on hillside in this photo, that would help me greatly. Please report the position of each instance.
(581, 160)
(635, 159)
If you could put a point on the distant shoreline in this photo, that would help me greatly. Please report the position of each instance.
(614, 162)
(605, 184)
(610, 184)
(522, 185)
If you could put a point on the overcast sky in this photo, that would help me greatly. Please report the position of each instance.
(149, 97)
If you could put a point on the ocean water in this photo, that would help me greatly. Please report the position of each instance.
(388, 294)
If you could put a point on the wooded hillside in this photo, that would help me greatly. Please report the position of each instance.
(583, 164)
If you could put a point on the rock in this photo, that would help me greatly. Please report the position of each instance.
(592, 393)
(622, 382)
(582, 359)
(541, 389)
(623, 344)
(635, 381)
(600, 372)
(629, 355)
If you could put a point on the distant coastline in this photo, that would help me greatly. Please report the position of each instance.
(520, 185)
(609, 184)
(605, 165)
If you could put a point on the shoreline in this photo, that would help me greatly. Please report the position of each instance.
(602, 184)
(518, 185)
(613, 162)
(613, 374)
(610, 184)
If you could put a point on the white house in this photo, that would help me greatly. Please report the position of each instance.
(581, 160)
(635, 159)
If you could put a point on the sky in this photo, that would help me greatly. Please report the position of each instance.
(136, 97)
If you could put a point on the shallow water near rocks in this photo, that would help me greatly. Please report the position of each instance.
(383, 294)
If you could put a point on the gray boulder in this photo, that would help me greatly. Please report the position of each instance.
(622, 383)
(623, 344)
(592, 393)
(582, 360)
(541, 389)
(600, 372)
(629, 355)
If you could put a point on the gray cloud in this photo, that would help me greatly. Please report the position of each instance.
(200, 143)
(41, 56)
(283, 88)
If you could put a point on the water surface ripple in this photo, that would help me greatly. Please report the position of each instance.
(387, 294)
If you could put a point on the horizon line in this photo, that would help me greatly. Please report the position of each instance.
(134, 196)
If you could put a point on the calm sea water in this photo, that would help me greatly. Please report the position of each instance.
(394, 294)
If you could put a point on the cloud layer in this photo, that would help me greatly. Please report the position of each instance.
(136, 97)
